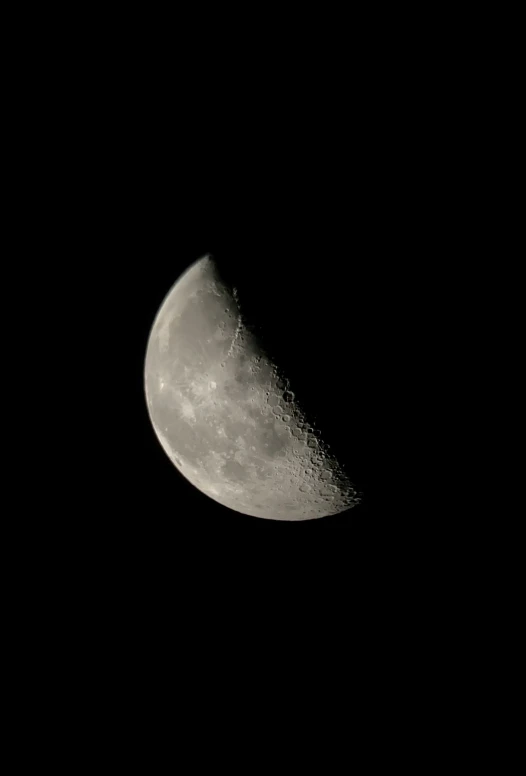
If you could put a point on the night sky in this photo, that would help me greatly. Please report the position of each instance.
(329, 186)
(338, 247)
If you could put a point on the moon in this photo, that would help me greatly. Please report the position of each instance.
(225, 413)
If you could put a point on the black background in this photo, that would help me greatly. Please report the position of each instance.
(331, 208)
(333, 171)
(330, 188)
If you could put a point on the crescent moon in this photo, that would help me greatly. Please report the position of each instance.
(226, 415)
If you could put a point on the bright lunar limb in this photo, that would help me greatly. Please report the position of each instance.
(226, 415)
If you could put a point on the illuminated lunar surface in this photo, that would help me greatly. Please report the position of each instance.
(227, 416)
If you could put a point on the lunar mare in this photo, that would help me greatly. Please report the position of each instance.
(226, 415)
